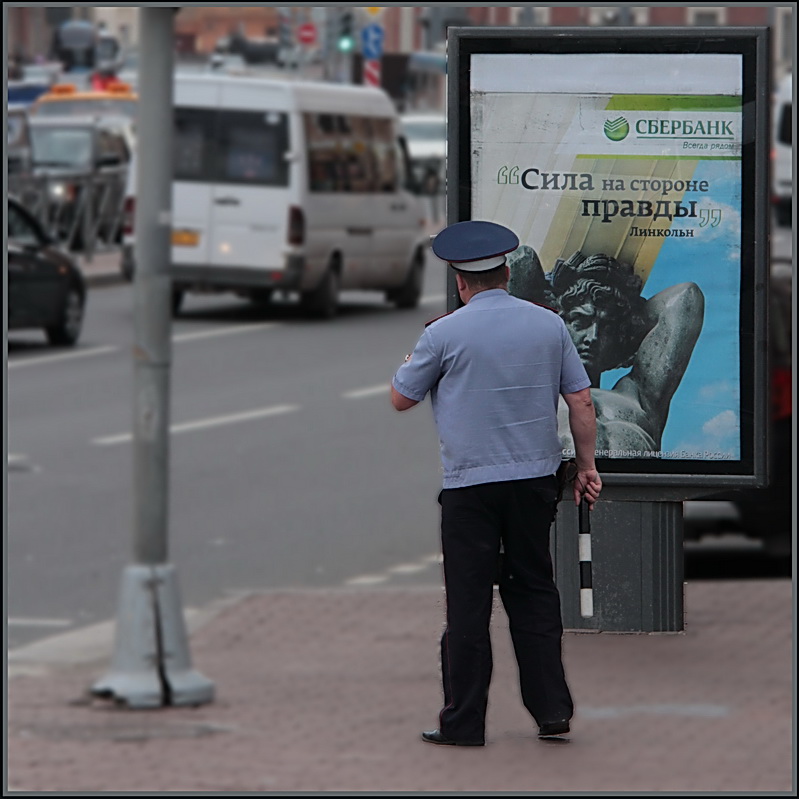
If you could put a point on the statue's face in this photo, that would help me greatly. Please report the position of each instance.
(592, 331)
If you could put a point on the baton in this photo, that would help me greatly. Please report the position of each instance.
(584, 549)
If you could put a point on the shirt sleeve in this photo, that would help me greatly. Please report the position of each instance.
(421, 372)
(573, 376)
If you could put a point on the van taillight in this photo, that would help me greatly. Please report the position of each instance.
(296, 232)
(127, 215)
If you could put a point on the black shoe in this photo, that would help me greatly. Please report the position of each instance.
(552, 728)
(435, 737)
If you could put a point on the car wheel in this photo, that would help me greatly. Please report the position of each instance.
(409, 294)
(67, 331)
(126, 264)
(177, 301)
(261, 296)
(322, 302)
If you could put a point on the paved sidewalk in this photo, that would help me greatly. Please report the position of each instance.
(328, 690)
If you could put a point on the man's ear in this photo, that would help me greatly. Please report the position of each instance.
(460, 282)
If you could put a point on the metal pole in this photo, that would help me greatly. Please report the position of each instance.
(152, 354)
(151, 663)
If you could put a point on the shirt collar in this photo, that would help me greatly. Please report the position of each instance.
(487, 294)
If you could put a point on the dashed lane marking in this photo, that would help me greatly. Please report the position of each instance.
(401, 568)
(369, 391)
(201, 424)
(20, 621)
(225, 331)
(64, 356)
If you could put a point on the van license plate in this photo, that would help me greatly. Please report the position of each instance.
(185, 238)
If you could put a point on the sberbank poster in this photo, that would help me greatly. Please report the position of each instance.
(621, 175)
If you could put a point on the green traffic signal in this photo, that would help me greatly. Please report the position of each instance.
(346, 34)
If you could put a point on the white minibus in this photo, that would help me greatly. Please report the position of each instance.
(292, 186)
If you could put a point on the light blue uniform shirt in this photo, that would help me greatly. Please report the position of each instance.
(495, 369)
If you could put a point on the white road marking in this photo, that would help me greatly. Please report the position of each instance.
(201, 424)
(64, 356)
(432, 299)
(408, 568)
(224, 331)
(400, 568)
(369, 391)
(12, 458)
(25, 622)
(367, 579)
(197, 336)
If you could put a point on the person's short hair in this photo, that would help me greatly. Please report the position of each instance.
(490, 279)
(605, 282)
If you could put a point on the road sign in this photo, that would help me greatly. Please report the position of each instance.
(372, 41)
(372, 72)
(306, 34)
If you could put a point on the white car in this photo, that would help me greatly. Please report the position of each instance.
(426, 137)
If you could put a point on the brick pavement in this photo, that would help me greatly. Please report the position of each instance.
(328, 690)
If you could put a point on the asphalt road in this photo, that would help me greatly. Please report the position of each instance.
(288, 464)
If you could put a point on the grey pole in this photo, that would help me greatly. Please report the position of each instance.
(151, 665)
(527, 16)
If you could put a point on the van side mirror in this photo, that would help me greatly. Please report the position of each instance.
(291, 156)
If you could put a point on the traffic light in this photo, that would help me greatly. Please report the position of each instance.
(346, 32)
(285, 33)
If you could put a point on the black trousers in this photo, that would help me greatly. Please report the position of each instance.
(474, 521)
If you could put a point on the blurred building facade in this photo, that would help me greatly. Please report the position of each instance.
(410, 32)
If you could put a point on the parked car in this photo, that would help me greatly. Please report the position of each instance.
(73, 154)
(46, 288)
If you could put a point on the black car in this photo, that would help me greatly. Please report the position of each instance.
(46, 288)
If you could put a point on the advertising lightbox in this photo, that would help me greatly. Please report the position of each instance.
(632, 164)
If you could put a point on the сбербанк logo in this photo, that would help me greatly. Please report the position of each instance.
(617, 129)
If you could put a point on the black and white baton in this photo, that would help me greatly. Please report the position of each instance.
(584, 549)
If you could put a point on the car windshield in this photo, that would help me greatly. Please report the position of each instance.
(425, 129)
(104, 106)
(70, 148)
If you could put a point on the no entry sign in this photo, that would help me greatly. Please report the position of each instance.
(306, 34)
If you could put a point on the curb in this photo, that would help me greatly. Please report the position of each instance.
(95, 643)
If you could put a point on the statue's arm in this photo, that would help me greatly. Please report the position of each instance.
(675, 316)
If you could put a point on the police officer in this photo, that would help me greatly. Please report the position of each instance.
(494, 369)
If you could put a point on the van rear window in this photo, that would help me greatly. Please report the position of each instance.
(351, 154)
(227, 146)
